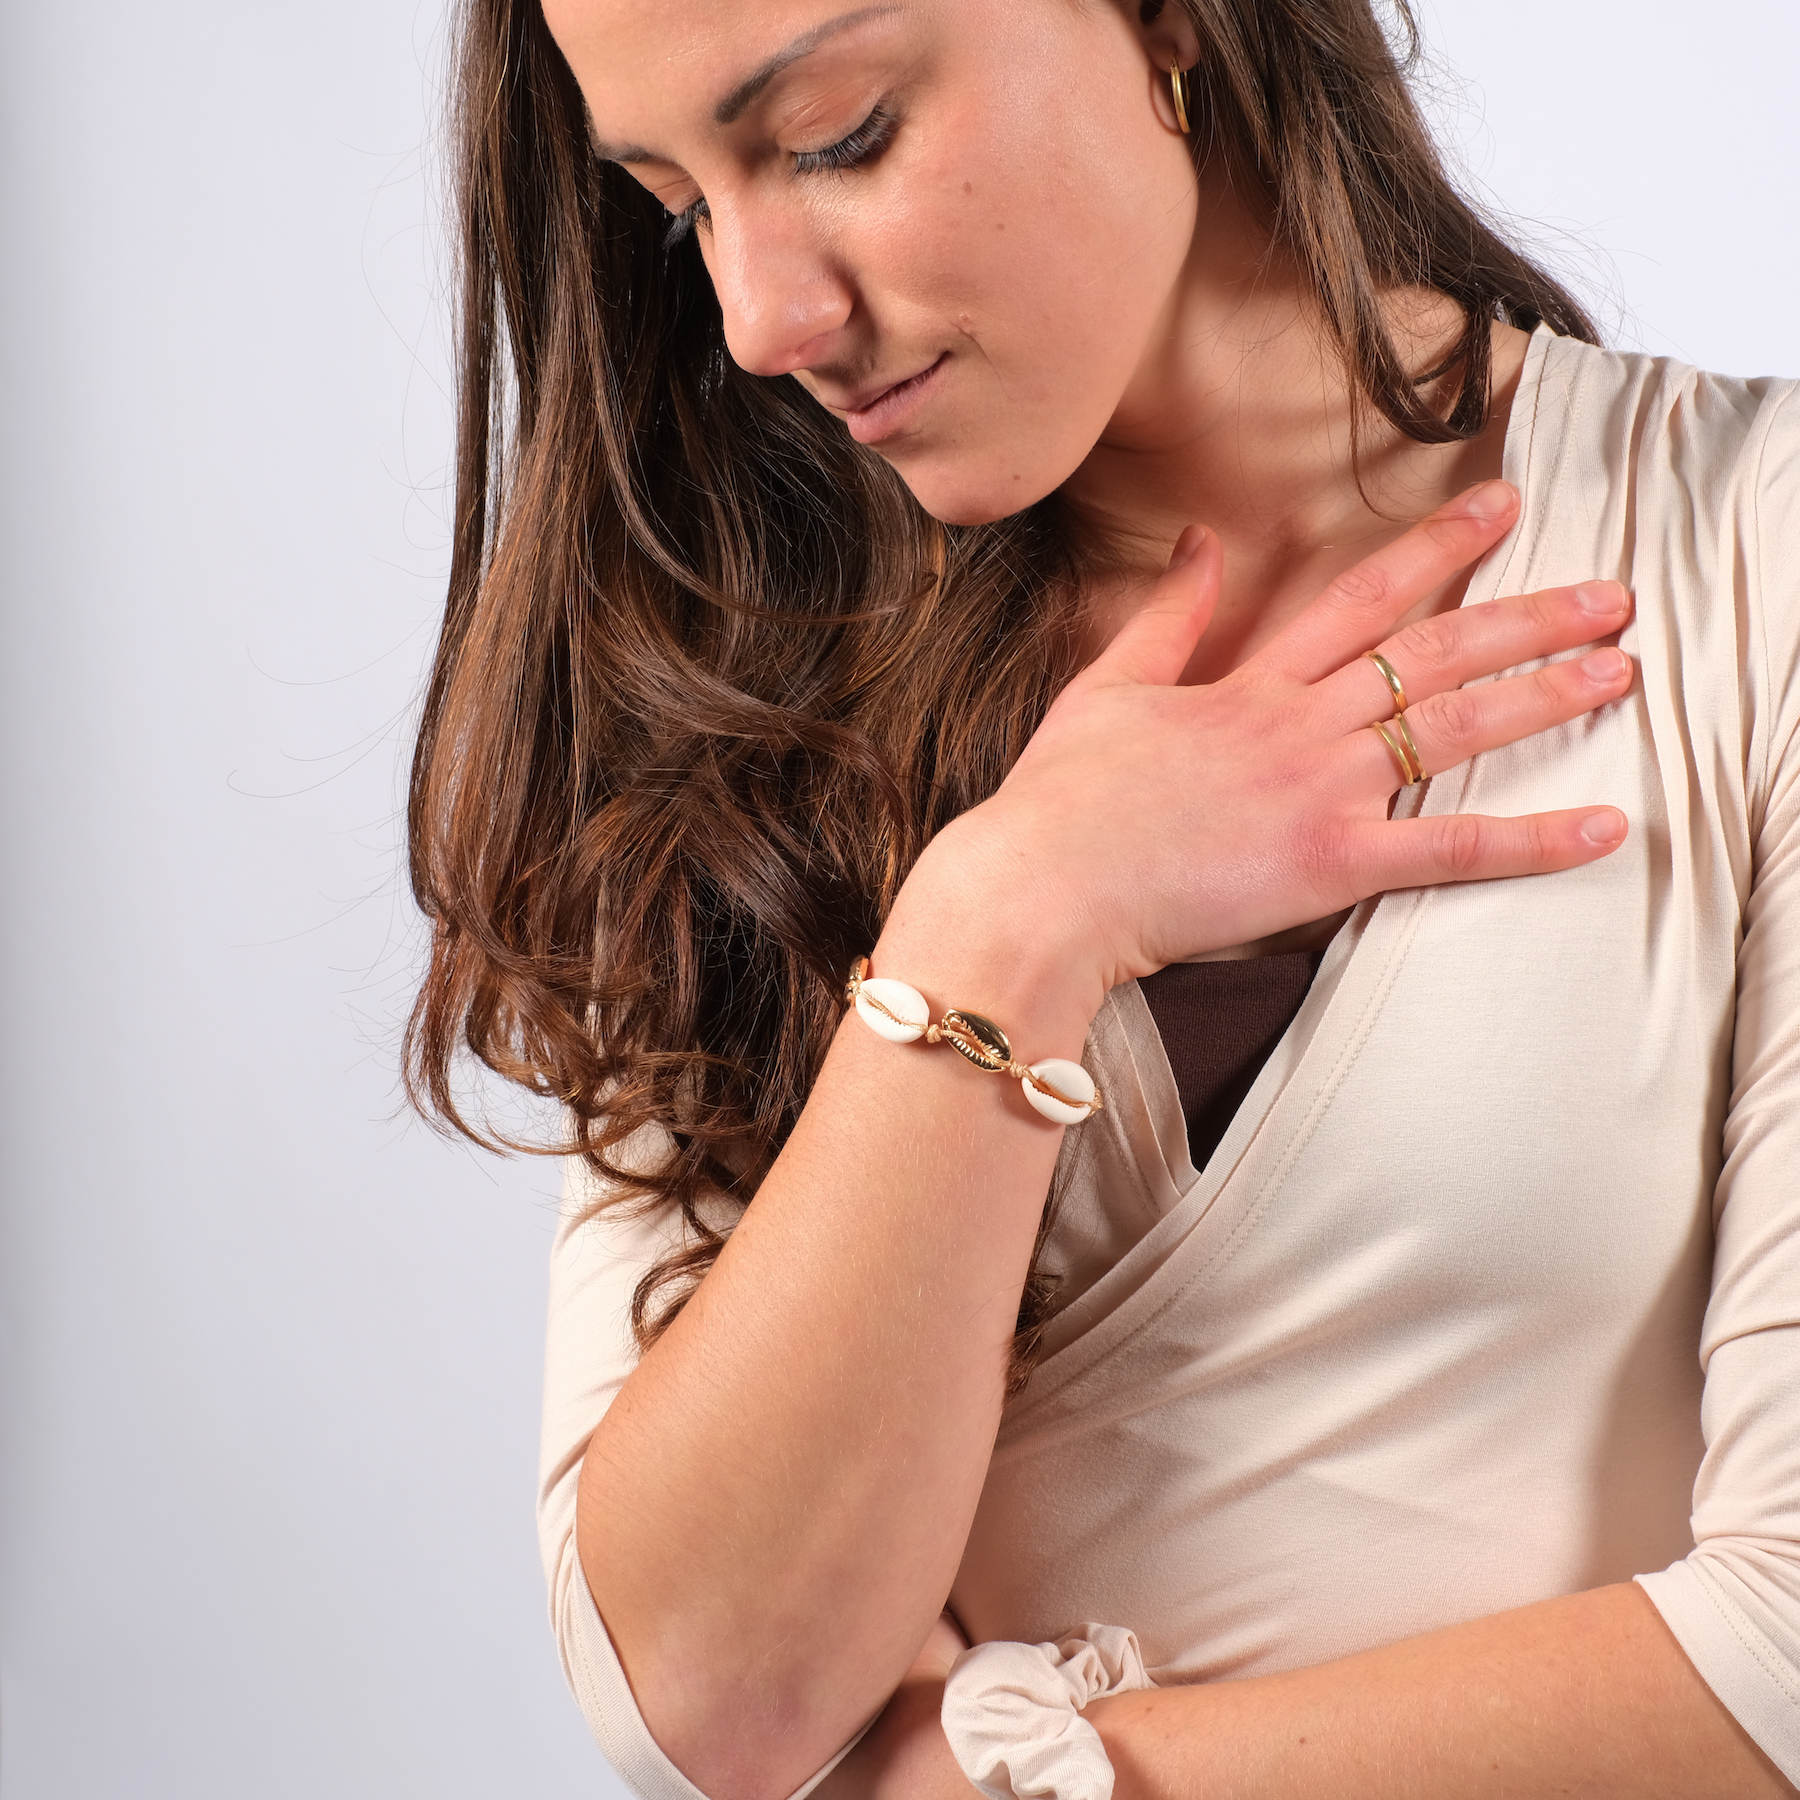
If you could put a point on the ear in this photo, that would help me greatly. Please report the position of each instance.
(1168, 31)
(1168, 34)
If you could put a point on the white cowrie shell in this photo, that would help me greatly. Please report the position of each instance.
(907, 1003)
(1067, 1078)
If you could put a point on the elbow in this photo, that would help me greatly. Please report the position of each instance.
(654, 1726)
(670, 1730)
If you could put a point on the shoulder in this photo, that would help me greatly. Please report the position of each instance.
(1684, 483)
(1698, 441)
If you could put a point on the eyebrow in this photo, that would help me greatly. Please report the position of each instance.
(730, 109)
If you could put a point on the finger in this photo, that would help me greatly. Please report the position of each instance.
(1424, 852)
(1156, 643)
(1450, 727)
(1448, 649)
(1370, 598)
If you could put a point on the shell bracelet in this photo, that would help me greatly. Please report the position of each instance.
(1061, 1090)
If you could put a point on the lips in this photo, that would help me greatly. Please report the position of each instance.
(863, 401)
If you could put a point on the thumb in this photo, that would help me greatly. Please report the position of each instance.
(1153, 645)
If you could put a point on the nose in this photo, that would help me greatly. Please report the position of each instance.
(781, 298)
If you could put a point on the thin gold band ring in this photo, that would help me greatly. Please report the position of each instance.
(1388, 675)
(1398, 721)
(1406, 752)
(1411, 769)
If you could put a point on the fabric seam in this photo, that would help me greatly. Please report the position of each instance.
(1763, 726)
(1741, 1628)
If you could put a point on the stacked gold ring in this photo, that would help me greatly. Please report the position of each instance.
(1406, 752)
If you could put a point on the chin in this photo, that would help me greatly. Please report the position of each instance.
(957, 492)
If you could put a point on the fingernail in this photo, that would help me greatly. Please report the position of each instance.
(1187, 546)
(1604, 665)
(1600, 597)
(1605, 827)
(1488, 501)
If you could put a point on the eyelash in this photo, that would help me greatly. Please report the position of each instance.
(863, 145)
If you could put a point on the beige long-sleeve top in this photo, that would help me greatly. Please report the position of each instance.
(1491, 1290)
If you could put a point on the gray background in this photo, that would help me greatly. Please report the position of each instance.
(269, 1350)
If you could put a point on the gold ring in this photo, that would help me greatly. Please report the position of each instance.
(1409, 773)
(1388, 675)
(1398, 721)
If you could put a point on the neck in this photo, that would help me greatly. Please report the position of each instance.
(1239, 418)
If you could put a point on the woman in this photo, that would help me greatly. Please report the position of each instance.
(1062, 500)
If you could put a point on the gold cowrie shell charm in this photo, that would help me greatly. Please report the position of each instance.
(1061, 1090)
(979, 1039)
(898, 1012)
(1073, 1098)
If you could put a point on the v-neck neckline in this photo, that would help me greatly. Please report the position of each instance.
(1307, 1062)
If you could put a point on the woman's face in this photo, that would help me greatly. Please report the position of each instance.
(1014, 206)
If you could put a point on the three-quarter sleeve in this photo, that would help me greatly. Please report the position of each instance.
(1733, 1603)
(589, 1352)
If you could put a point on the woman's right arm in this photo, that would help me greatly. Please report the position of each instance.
(771, 1512)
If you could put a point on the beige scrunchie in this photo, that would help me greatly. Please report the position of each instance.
(1012, 1712)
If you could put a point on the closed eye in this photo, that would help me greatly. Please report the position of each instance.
(861, 146)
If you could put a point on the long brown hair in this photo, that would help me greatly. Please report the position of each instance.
(710, 678)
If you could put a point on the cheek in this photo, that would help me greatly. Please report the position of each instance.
(945, 241)
(1045, 265)
(1024, 246)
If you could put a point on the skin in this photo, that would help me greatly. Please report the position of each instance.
(1116, 328)
(1112, 317)
(1581, 1695)
(1107, 331)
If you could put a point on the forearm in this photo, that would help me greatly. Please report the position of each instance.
(904, 1755)
(1585, 1695)
(774, 1506)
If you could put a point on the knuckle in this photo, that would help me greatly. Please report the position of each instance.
(1321, 847)
(1555, 682)
(1448, 531)
(1427, 648)
(1365, 588)
(1548, 609)
(1454, 720)
(1462, 844)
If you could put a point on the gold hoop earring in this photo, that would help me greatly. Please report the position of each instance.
(1178, 86)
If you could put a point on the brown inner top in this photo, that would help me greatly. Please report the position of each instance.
(1219, 1020)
